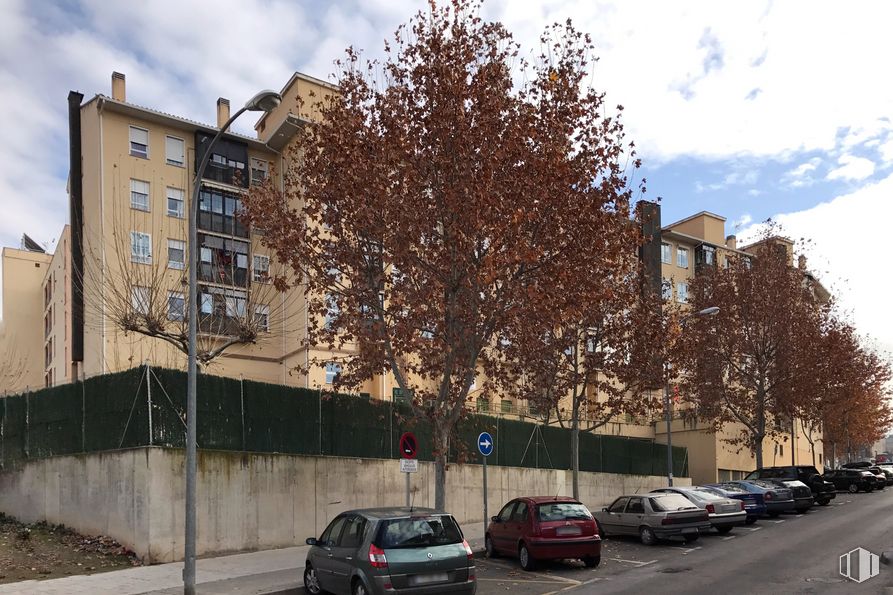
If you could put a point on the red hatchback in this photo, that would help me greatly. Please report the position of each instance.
(544, 528)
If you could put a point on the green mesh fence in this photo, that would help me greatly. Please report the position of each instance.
(142, 407)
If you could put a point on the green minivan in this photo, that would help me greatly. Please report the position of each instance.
(390, 550)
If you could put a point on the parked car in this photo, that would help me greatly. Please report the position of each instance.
(752, 508)
(803, 497)
(724, 513)
(388, 550)
(823, 491)
(776, 499)
(544, 528)
(653, 517)
(885, 476)
(852, 480)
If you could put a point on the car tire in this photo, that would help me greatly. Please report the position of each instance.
(750, 520)
(824, 501)
(527, 561)
(358, 587)
(600, 529)
(311, 581)
(647, 536)
(488, 546)
(592, 561)
(723, 529)
(691, 538)
(853, 488)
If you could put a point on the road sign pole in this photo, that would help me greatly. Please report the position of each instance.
(408, 501)
(486, 518)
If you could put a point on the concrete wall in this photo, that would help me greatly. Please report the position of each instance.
(259, 501)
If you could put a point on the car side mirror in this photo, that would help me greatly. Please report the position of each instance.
(495, 519)
(605, 509)
(311, 541)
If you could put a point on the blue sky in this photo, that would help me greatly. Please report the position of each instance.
(749, 109)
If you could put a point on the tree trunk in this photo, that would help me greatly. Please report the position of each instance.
(441, 449)
(758, 450)
(575, 453)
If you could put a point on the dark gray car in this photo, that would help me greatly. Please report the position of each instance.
(724, 513)
(390, 550)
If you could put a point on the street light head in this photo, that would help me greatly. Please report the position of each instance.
(708, 311)
(265, 101)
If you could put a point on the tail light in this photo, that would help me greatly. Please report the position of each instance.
(467, 550)
(742, 504)
(377, 558)
(666, 521)
(768, 496)
(711, 509)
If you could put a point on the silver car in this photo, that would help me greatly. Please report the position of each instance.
(724, 513)
(412, 551)
(653, 517)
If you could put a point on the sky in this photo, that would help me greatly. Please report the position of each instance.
(749, 110)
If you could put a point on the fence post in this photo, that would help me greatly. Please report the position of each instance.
(28, 422)
(319, 399)
(242, 407)
(391, 429)
(149, 399)
(83, 411)
(3, 434)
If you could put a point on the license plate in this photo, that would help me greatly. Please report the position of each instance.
(424, 579)
(568, 531)
(690, 530)
(730, 508)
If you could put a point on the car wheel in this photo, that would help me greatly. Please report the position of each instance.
(750, 520)
(690, 538)
(359, 588)
(592, 561)
(853, 488)
(527, 562)
(824, 501)
(311, 581)
(488, 545)
(723, 529)
(646, 534)
(600, 529)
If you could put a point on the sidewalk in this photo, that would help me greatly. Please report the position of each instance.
(255, 573)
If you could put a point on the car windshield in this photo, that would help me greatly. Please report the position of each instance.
(418, 532)
(668, 502)
(562, 511)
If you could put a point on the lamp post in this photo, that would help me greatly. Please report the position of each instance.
(705, 312)
(264, 101)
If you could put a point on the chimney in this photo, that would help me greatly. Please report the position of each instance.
(801, 262)
(118, 87)
(222, 112)
(732, 242)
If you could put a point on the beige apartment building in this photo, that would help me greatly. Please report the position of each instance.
(129, 189)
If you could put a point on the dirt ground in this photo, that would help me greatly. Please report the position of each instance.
(41, 551)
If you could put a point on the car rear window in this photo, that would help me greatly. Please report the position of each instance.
(418, 532)
(562, 511)
(764, 484)
(668, 502)
(706, 495)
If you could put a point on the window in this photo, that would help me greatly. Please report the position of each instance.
(176, 306)
(220, 212)
(139, 299)
(175, 203)
(682, 292)
(139, 195)
(505, 514)
(483, 404)
(207, 303)
(332, 371)
(352, 536)
(781, 450)
(619, 505)
(139, 142)
(636, 506)
(262, 318)
(140, 247)
(682, 257)
(174, 150)
(176, 254)
(666, 289)
(706, 255)
(820, 458)
(332, 311)
(520, 515)
(261, 269)
(505, 406)
(259, 170)
(666, 253)
(223, 260)
(332, 534)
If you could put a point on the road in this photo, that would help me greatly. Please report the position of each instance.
(791, 554)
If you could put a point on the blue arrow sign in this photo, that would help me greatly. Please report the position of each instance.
(485, 444)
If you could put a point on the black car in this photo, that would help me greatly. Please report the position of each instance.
(823, 491)
(803, 497)
(852, 480)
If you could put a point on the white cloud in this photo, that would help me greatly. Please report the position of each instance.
(849, 239)
(852, 168)
(886, 151)
(799, 176)
(742, 222)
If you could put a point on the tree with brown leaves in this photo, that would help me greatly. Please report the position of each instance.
(436, 206)
(745, 364)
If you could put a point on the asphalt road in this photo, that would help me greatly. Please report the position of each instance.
(791, 554)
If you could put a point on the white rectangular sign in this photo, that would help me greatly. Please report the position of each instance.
(409, 465)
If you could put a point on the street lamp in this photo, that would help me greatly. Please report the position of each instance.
(265, 101)
(712, 310)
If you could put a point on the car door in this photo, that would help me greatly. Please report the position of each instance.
(499, 531)
(611, 518)
(633, 516)
(323, 556)
(515, 527)
(344, 553)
